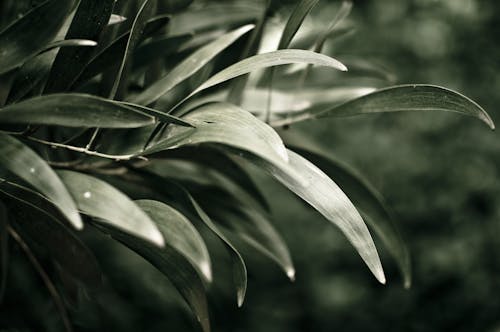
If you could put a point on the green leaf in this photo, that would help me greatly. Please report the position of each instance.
(74, 110)
(36, 69)
(342, 13)
(102, 201)
(189, 66)
(105, 56)
(173, 192)
(264, 60)
(38, 220)
(26, 164)
(326, 197)
(295, 21)
(369, 202)
(230, 126)
(29, 34)
(136, 32)
(88, 23)
(4, 250)
(175, 267)
(180, 234)
(162, 116)
(158, 48)
(254, 228)
(412, 97)
(238, 264)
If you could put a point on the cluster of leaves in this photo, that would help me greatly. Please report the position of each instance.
(138, 118)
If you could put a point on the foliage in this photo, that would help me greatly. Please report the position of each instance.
(137, 121)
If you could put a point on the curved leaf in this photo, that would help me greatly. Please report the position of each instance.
(180, 234)
(326, 197)
(189, 66)
(29, 34)
(175, 267)
(411, 97)
(295, 21)
(74, 110)
(134, 37)
(26, 164)
(229, 126)
(102, 201)
(371, 205)
(264, 60)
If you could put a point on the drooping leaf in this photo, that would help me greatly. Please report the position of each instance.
(175, 267)
(26, 164)
(229, 126)
(100, 200)
(138, 26)
(162, 116)
(180, 234)
(88, 23)
(30, 33)
(326, 197)
(174, 192)
(39, 221)
(369, 202)
(74, 110)
(294, 22)
(189, 66)
(342, 13)
(254, 228)
(412, 97)
(264, 60)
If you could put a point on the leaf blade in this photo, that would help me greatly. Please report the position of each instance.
(26, 164)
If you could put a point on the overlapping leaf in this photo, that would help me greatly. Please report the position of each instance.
(26, 164)
(104, 202)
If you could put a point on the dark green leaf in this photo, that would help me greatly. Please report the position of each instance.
(26, 164)
(176, 268)
(4, 247)
(29, 34)
(88, 23)
(74, 110)
(134, 37)
(102, 201)
(38, 220)
(189, 66)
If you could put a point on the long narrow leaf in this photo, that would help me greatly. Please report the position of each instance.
(189, 66)
(102, 201)
(74, 110)
(326, 197)
(26, 164)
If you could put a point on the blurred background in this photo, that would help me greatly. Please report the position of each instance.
(437, 171)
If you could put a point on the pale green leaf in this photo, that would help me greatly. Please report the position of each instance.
(326, 197)
(74, 110)
(27, 165)
(104, 202)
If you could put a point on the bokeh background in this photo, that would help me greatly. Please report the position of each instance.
(438, 173)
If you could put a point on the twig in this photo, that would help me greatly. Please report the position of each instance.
(48, 283)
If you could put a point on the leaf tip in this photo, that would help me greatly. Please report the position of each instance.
(206, 270)
(290, 273)
(157, 238)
